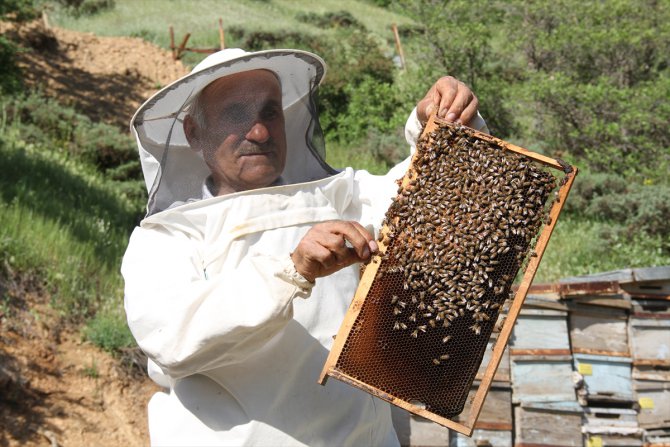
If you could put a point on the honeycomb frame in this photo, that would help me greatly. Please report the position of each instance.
(339, 366)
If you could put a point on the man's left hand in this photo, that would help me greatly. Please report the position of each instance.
(453, 100)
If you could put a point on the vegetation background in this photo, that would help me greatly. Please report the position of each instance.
(585, 81)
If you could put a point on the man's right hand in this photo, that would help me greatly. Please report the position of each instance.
(324, 249)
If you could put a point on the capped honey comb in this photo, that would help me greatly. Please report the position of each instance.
(471, 212)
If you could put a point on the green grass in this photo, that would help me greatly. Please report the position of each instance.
(583, 247)
(151, 18)
(61, 223)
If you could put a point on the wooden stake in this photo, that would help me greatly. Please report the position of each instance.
(174, 55)
(222, 44)
(398, 46)
(180, 50)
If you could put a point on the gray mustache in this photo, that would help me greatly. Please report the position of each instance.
(255, 149)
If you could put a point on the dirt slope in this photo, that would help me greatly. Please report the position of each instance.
(54, 388)
(106, 78)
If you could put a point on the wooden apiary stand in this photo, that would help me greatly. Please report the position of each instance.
(350, 326)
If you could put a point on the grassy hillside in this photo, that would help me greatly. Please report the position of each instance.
(545, 75)
(150, 19)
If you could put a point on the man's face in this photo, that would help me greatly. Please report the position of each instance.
(243, 140)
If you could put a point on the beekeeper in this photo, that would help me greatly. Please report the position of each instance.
(242, 271)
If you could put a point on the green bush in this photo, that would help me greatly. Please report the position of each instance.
(18, 10)
(331, 19)
(616, 129)
(79, 8)
(629, 208)
(452, 43)
(109, 331)
(10, 74)
(44, 121)
(370, 105)
(596, 79)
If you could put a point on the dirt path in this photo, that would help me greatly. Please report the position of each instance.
(54, 388)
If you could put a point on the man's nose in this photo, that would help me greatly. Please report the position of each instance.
(258, 133)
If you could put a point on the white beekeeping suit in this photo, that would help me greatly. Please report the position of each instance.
(233, 334)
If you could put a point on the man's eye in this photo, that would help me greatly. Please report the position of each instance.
(269, 113)
(236, 114)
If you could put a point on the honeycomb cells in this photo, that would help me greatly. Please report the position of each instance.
(460, 229)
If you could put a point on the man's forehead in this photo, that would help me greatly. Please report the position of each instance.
(255, 83)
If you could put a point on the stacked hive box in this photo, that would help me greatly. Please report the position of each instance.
(621, 351)
(546, 411)
(649, 335)
(617, 355)
(494, 426)
(601, 357)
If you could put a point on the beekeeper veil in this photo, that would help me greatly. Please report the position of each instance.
(175, 172)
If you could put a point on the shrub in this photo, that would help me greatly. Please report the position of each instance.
(10, 74)
(452, 43)
(109, 331)
(633, 208)
(44, 121)
(79, 8)
(338, 19)
(18, 10)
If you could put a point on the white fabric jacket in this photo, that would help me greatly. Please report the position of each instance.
(209, 300)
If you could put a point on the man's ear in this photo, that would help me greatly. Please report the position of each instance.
(192, 132)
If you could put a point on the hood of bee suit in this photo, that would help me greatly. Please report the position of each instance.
(175, 173)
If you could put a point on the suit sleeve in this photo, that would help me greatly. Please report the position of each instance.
(188, 323)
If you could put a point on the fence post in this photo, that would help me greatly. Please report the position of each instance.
(222, 44)
(398, 46)
(174, 55)
(180, 50)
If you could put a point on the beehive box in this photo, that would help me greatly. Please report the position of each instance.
(495, 425)
(613, 440)
(621, 421)
(414, 430)
(548, 424)
(541, 332)
(599, 330)
(470, 213)
(658, 437)
(650, 339)
(482, 438)
(542, 378)
(652, 282)
(606, 378)
(502, 375)
(653, 398)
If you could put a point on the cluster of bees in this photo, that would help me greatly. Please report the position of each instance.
(458, 232)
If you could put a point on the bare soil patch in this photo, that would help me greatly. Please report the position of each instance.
(56, 389)
(106, 78)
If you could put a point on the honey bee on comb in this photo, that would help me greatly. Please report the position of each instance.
(461, 232)
(470, 214)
